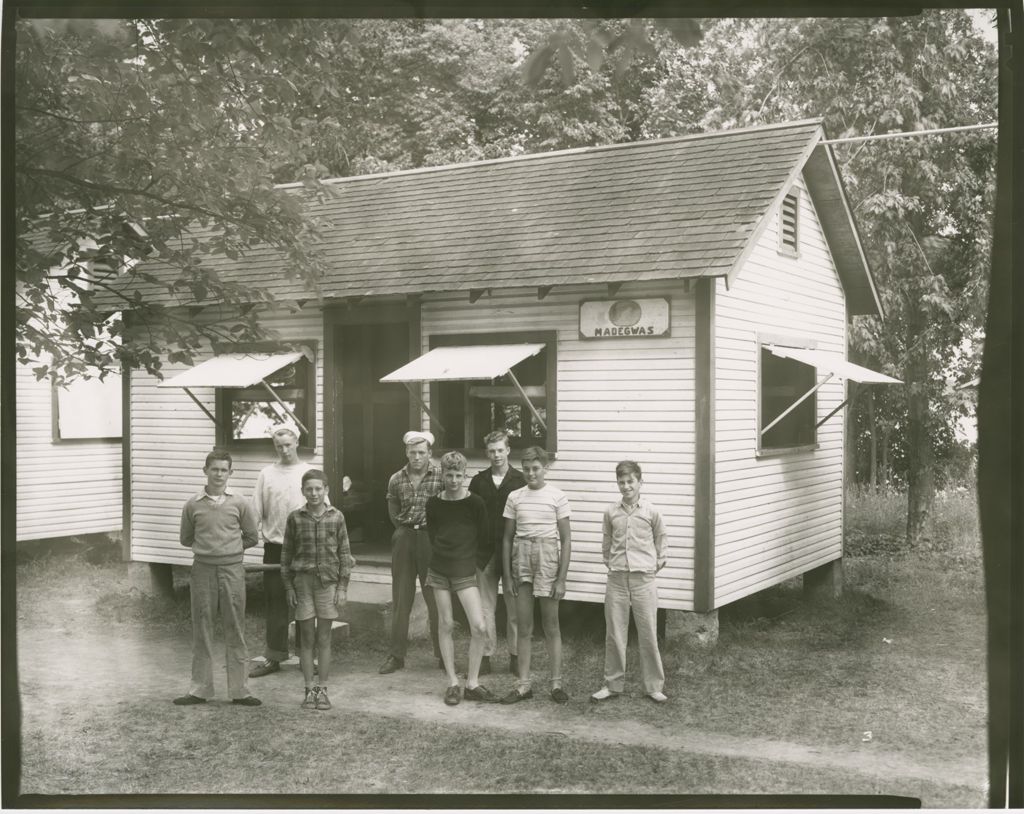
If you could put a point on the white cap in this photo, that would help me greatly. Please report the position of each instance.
(415, 436)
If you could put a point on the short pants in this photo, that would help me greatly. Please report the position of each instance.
(453, 584)
(535, 560)
(315, 600)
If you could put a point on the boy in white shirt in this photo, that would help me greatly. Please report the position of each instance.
(535, 553)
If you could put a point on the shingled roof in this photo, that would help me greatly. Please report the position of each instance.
(671, 208)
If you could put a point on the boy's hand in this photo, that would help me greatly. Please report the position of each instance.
(661, 564)
(512, 587)
(558, 589)
(340, 597)
(293, 600)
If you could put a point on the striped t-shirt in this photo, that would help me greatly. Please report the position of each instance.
(537, 511)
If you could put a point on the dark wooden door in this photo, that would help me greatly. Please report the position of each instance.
(374, 416)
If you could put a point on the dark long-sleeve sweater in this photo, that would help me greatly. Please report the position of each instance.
(460, 538)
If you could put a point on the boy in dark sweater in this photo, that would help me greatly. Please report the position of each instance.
(218, 525)
(460, 545)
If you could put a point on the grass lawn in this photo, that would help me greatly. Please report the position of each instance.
(901, 655)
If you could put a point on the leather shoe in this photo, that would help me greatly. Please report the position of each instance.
(264, 669)
(248, 701)
(390, 665)
(188, 700)
(514, 696)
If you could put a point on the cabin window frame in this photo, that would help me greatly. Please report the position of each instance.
(785, 247)
(807, 412)
(226, 396)
(475, 447)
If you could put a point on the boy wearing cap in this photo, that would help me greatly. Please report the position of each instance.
(535, 556)
(408, 490)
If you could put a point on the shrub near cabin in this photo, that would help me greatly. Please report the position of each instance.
(614, 318)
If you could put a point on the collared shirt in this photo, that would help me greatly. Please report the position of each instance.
(412, 500)
(318, 544)
(634, 537)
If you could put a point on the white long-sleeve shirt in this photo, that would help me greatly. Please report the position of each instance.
(277, 494)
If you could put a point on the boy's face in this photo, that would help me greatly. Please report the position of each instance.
(217, 474)
(286, 447)
(535, 474)
(418, 456)
(453, 480)
(497, 454)
(629, 486)
(315, 492)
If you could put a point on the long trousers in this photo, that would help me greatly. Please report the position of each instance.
(639, 591)
(487, 581)
(410, 557)
(275, 607)
(218, 589)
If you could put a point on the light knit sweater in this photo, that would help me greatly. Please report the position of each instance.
(278, 493)
(218, 531)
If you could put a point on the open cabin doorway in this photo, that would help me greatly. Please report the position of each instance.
(370, 419)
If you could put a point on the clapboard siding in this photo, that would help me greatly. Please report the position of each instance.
(776, 516)
(85, 475)
(170, 437)
(617, 398)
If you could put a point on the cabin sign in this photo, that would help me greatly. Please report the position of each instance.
(605, 319)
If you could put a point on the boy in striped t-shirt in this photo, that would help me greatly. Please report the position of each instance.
(535, 553)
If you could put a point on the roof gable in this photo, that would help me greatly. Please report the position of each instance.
(664, 209)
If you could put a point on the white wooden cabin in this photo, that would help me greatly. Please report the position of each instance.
(685, 292)
(68, 452)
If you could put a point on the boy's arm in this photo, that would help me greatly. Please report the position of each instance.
(558, 590)
(660, 538)
(187, 534)
(287, 553)
(250, 525)
(606, 538)
(484, 541)
(394, 503)
(346, 560)
(506, 554)
(257, 501)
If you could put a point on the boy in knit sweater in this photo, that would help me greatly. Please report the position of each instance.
(218, 525)
(460, 545)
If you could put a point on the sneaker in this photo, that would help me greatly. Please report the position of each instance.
(390, 665)
(657, 697)
(322, 701)
(515, 696)
(513, 665)
(453, 695)
(559, 695)
(188, 700)
(480, 693)
(604, 694)
(264, 669)
(309, 701)
(485, 666)
(248, 701)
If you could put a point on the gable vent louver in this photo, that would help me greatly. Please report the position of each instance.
(788, 223)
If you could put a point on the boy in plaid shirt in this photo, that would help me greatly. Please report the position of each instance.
(316, 563)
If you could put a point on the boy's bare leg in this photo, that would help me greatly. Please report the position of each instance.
(473, 606)
(323, 643)
(524, 618)
(553, 638)
(444, 633)
(308, 628)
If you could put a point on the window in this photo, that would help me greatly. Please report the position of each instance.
(87, 409)
(468, 410)
(247, 415)
(789, 224)
(782, 383)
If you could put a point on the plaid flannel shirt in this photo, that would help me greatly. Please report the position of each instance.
(316, 544)
(412, 500)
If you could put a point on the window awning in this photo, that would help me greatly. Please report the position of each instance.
(832, 363)
(463, 363)
(237, 370)
(233, 370)
(466, 363)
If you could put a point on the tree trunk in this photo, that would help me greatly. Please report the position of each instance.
(884, 467)
(873, 457)
(920, 475)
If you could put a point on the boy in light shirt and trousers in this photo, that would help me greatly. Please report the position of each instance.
(634, 543)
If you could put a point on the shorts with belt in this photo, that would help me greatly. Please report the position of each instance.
(535, 560)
